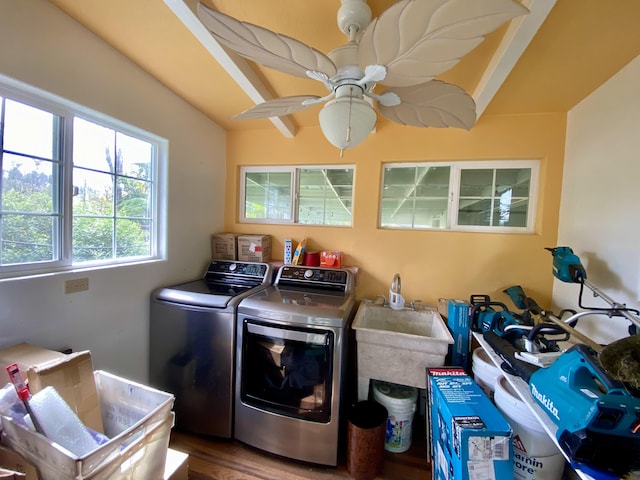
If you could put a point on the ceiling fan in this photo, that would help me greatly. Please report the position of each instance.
(403, 49)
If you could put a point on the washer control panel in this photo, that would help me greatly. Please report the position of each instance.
(222, 269)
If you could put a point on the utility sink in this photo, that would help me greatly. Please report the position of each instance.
(398, 345)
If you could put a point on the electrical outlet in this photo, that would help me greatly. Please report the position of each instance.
(76, 285)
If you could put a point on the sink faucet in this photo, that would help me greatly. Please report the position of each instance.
(395, 299)
(395, 284)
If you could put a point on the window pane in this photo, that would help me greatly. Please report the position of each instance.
(415, 197)
(268, 195)
(28, 239)
(325, 196)
(474, 212)
(132, 238)
(29, 185)
(434, 182)
(133, 198)
(134, 156)
(92, 239)
(29, 200)
(112, 206)
(93, 146)
(93, 193)
(338, 211)
(509, 212)
(506, 188)
(31, 131)
(397, 213)
(517, 180)
(394, 176)
(476, 183)
(430, 213)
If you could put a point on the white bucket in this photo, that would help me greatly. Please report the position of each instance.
(400, 402)
(536, 456)
(485, 373)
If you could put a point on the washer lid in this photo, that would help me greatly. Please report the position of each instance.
(205, 294)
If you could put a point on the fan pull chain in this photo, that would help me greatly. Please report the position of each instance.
(348, 139)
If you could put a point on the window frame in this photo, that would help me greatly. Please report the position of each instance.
(294, 213)
(453, 204)
(67, 110)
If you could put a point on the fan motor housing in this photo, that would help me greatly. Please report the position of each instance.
(353, 16)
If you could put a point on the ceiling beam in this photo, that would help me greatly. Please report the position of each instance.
(236, 66)
(520, 32)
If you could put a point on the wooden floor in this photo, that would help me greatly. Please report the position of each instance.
(211, 458)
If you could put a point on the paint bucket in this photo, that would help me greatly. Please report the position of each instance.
(485, 373)
(400, 402)
(536, 456)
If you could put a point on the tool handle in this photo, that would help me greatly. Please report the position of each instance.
(593, 364)
(18, 382)
(508, 353)
(23, 392)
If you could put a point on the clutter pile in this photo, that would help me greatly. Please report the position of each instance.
(590, 392)
(71, 422)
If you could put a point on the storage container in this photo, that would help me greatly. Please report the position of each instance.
(136, 418)
(400, 402)
(536, 456)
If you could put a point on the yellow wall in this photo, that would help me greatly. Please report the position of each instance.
(432, 264)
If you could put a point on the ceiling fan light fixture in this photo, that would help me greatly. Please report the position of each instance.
(347, 121)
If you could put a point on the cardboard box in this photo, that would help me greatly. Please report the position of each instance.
(470, 437)
(331, 259)
(224, 246)
(71, 375)
(458, 323)
(15, 466)
(254, 248)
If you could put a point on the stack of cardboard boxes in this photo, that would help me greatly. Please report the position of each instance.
(244, 248)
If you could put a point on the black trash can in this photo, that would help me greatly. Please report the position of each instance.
(365, 439)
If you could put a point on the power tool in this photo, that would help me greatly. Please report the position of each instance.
(598, 419)
(567, 266)
(484, 316)
(590, 392)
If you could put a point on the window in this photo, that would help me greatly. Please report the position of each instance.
(472, 196)
(77, 188)
(310, 195)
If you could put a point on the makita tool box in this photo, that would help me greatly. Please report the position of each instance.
(470, 438)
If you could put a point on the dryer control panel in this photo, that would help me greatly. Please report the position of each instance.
(336, 279)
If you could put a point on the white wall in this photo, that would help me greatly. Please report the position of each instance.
(44, 47)
(599, 214)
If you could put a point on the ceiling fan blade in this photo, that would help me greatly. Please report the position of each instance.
(264, 46)
(418, 39)
(279, 107)
(432, 104)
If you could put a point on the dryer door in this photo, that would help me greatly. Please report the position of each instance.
(287, 370)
